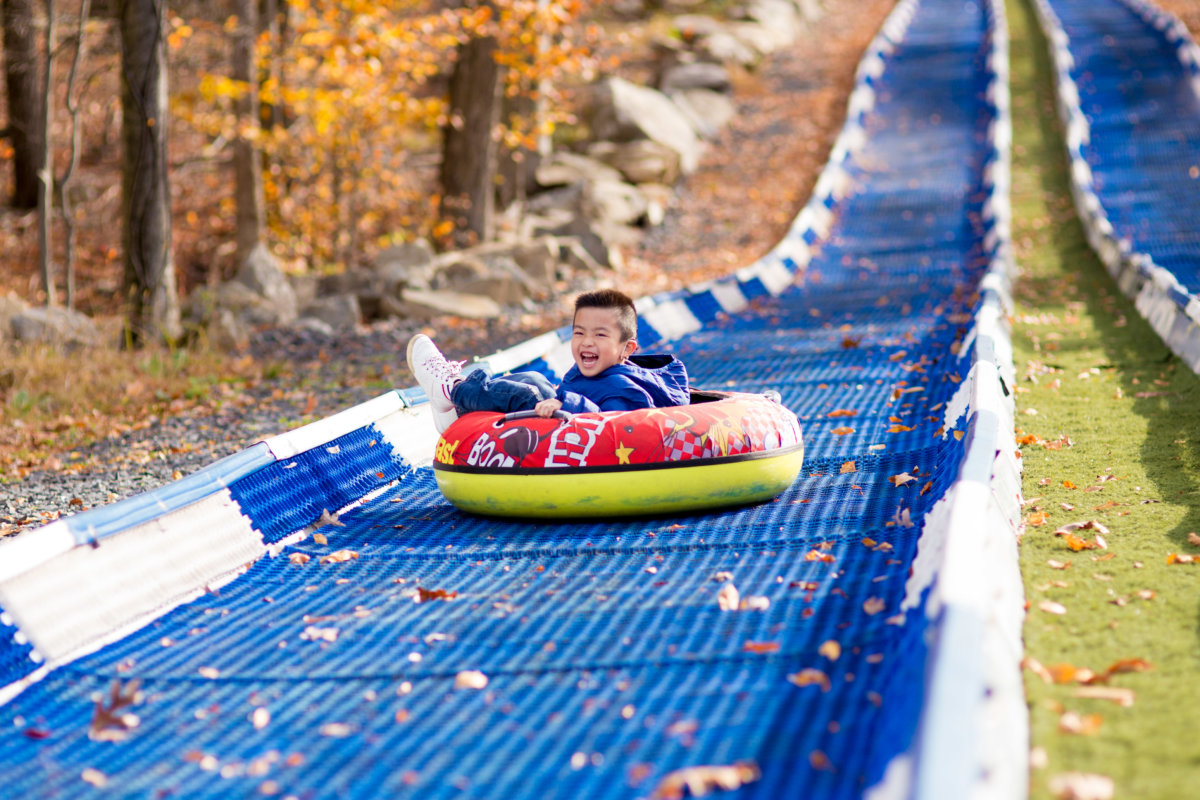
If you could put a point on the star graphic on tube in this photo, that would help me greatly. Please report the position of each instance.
(623, 453)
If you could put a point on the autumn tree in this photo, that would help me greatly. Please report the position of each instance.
(247, 158)
(26, 123)
(468, 166)
(149, 279)
(363, 86)
(540, 42)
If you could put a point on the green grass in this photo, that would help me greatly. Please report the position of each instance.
(1092, 370)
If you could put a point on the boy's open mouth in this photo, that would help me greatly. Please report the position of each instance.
(588, 359)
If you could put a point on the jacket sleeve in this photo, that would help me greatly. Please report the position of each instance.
(575, 403)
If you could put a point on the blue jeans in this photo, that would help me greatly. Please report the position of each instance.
(520, 391)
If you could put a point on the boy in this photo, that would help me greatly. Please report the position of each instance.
(607, 376)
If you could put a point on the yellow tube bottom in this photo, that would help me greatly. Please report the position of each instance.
(671, 489)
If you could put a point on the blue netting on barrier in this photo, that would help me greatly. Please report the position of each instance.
(292, 493)
(609, 662)
(15, 653)
(1144, 115)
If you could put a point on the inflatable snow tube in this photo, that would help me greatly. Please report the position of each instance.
(725, 449)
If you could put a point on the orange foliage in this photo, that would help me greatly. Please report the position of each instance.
(361, 86)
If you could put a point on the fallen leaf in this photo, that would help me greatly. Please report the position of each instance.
(728, 597)
(820, 761)
(315, 634)
(831, 649)
(299, 558)
(1128, 665)
(754, 603)
(842, 412)
(1051, 607)
(1081, 724)
(1076, 543)
(1116, 694)
(335, 730)
(842, 431)
(873, 605)
(319, 538)
(339, 557)
(1081, 786)
(111, 719)
(1194, 539)
(94, 776)
(699, 781)
(1058, 564)
(1180, 558)
(327, 518)
(1068, 485)
(1035, 518)
(810, 677)
(817, 555)
(212, 673)
(848, 466)
(901, 479)
(424, 595)
(470, 679)
(761, 648)
(1033, 665)
(260, 718)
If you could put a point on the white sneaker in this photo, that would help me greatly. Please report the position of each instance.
(436, 376)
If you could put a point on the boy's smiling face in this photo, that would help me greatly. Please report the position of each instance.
(596, 342)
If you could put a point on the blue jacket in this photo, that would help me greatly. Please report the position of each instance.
(643, 381)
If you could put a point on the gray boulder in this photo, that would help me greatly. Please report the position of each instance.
(626, 112)
(760, 38)
(691, 27)
(424, 304)
(262, 274)
(341, 312)
(456, 268)
(226, 332)
(707, 110)
(250, 307)
(10, 306)
(781, 17)
(54, 325)
(722, 46)
(696, 75)
(538, 259)
(642, 161)
(565, 169)
(592, 237)
(615, 202)
(404, 263)
(658, 199)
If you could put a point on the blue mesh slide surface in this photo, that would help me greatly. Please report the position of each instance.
(425, 653)
(1129, 78)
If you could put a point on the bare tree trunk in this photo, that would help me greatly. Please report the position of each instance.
(25, 120)
(150, 282)
(65, 183)
(247, 158)
(274, 20)
(46, 171)
(469, 148)
(518, 165)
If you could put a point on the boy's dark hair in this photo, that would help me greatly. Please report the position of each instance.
(611, 298)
